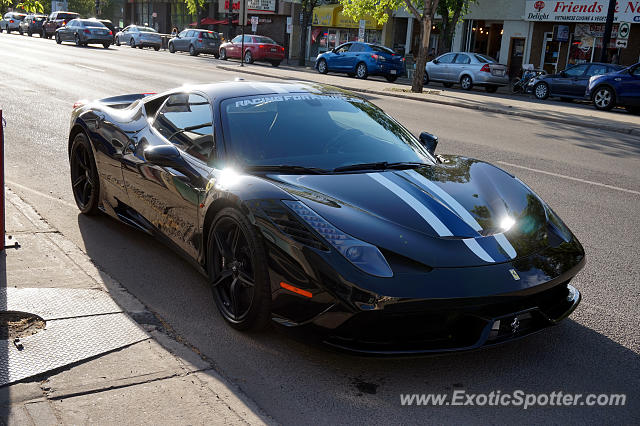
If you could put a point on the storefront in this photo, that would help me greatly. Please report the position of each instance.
(564, 34)
(330, 28)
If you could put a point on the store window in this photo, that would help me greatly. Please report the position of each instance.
(485, 37)
(586, 44)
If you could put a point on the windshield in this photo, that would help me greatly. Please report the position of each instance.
(205, 34)
(147, 30)
(67, 16)
(90, 23)
(485, 59)
(318, 131)
(382, 49)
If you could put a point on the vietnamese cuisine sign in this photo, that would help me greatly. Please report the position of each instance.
(265, 6)
(581, 10)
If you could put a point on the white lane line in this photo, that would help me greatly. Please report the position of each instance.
(90, 68)
(26, 188)
(590, 182)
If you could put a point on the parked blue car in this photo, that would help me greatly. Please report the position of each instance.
(621, 88)
(362, 60)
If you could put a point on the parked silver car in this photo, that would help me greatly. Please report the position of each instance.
(11, 21)
(467, 69)
(195, 42)
(84, 32)
(139, 36)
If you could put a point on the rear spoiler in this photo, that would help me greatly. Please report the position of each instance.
(118, 102)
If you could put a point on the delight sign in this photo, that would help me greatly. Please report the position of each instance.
(580, 11)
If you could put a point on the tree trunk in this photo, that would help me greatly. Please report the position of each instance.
(425, 33)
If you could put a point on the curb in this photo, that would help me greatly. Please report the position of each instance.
(536, 116)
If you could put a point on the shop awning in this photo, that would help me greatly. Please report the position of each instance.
(331, 16)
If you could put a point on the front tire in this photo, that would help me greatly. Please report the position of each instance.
(322, 66)
(541, 91)
(77, 40)
(425, 79)
(466, 83)
(236, 263)
(604, 98)
(58, 40)
(117, 41)
(361, 71)
(172, 48)
(132, 42)
(85, 184)
(223, 54)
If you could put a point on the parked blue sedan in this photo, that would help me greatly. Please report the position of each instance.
(361, 60)
(620, 88)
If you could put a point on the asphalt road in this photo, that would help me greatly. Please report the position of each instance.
(590, 177)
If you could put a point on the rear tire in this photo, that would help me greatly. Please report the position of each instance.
(361, 71)
(106, 45)
(85, 183)
(236, 265)
(322, 66)
(466, 83)
(248, 57)
(156, 48)
(393, 77)
(275, 64)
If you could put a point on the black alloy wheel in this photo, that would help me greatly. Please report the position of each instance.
(84, 176)
(237, 267)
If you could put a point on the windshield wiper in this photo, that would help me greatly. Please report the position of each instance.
(382, 165)
(286, 168)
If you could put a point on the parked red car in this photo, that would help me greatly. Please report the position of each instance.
(256, 48)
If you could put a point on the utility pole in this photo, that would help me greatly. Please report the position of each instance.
(242, 6)
(607, 30)
(97, 4)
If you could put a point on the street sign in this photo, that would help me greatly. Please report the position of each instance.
(361, 28)
(289, 25)
(621, 44)
(623, 31)
(254, 24)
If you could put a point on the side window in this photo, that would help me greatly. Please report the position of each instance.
(248, 39)
(357, 47)
(447, 59)
(185, 120)
(182, 33)
(462, 59)
(576, 71)
(237, 39)
(344, 48)
(597, 70)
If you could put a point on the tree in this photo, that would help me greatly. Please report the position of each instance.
(422, 10)
(451, 12)
(31, 6)
(307, 15)
(196, 8)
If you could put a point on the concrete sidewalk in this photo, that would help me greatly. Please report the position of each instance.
(153, 381)
(574, 113)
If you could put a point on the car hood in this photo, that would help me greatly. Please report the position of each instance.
(463, 212)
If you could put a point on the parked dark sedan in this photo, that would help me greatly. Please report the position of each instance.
(621, 88)
(570, 83)
(309, 207)
(84, 32)
(55, 21)
(196, 42)
(32, 24)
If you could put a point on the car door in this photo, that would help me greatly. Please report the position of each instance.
(167, 198)
(233, 49)
(565, 83)
(339, 57)
(179, 41)
(439, 67)
(629, 91)
(460, 64)
(64, 31)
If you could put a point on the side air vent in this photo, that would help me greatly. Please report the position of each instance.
(289, 225)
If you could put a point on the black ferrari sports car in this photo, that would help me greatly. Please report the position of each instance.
(308, 206)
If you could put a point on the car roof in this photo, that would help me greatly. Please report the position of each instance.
(241, 88)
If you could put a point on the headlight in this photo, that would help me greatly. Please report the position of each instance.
(363, 255)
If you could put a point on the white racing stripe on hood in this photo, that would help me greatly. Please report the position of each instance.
(428, 215)
(459, 209)
(416, 205)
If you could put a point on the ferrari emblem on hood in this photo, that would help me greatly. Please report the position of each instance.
(514, 274)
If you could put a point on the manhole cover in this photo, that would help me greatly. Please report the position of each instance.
(14, 324)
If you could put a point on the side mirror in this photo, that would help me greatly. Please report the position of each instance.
(429, 141)
(435, 61)
(169, 156)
